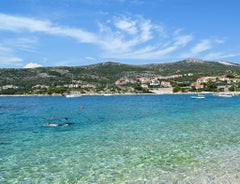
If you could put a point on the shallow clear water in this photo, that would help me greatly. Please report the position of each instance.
(120, 139)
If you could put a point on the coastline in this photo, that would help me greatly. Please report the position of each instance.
(160, 91)
(127, 94)
(154, 92)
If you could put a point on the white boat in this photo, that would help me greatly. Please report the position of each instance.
(199, 96)
(73, 95)
(108, 94)
(225, 95)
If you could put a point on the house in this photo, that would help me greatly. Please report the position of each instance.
(144, 86)
(166, 84)
(154, 82)
(197, 86)
(223, 78)
(121, 81)
(10, 86)
(39, 86)
(88, 86)
(205, 79)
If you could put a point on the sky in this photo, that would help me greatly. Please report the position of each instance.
(36, 33)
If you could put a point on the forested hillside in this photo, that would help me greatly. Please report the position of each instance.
(105, 74)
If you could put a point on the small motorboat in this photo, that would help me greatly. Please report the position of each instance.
(225, 95)
(73, 95)
(199, 96)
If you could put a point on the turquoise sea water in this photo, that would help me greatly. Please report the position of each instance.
(120, 139)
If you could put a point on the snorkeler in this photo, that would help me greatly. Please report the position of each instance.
(52, 124)
(59, 124)
(66, 124)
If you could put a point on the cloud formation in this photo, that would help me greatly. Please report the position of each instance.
(220, 55)
(5, 60)
(19, 24)
(33, 65)
(203, 45)
(7, 56)
(128, 26)
(122, 37)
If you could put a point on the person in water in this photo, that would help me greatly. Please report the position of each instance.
(52, 124)
(58, 124)
(66, 124)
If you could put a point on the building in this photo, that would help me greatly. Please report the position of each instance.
(197, 86)
(202, 80)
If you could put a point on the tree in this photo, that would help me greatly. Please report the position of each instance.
(230, 75)
(210, 86)
(231, 88)
(51, 91)
(176, 89)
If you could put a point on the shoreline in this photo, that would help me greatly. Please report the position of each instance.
(126, 94)
(159, 91)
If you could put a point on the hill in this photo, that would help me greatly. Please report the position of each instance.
(196, 66)
(105, 74)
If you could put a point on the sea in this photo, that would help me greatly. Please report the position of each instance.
(120, 139)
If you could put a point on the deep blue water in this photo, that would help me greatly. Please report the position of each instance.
(119, 139)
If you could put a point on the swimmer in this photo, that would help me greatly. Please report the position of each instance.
(58, 125)
(81, 107)
(52, 124)
(66, 124)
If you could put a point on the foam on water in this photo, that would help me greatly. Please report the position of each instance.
(120, 139)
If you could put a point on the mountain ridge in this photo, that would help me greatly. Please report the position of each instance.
(107, 73)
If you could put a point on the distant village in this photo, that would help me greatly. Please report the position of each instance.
(145, 82)
(222, 82)
(154, 84)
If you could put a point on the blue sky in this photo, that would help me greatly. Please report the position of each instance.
(82, 32)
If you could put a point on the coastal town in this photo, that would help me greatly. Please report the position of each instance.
(187, 76)
(156, 84)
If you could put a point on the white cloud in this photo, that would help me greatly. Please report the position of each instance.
(157, 52)
(201, 46)
(4, 49)
(183, 40)
(138, 29)
(219, 41)
(89, 58)
(146, 30)
(14, 23)
(7, 56)
(7, 59)
(19, 24)
(22, 43)
(32, 65)
(126, 37)
(220, 55)
(112, 37)
(128, 26)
